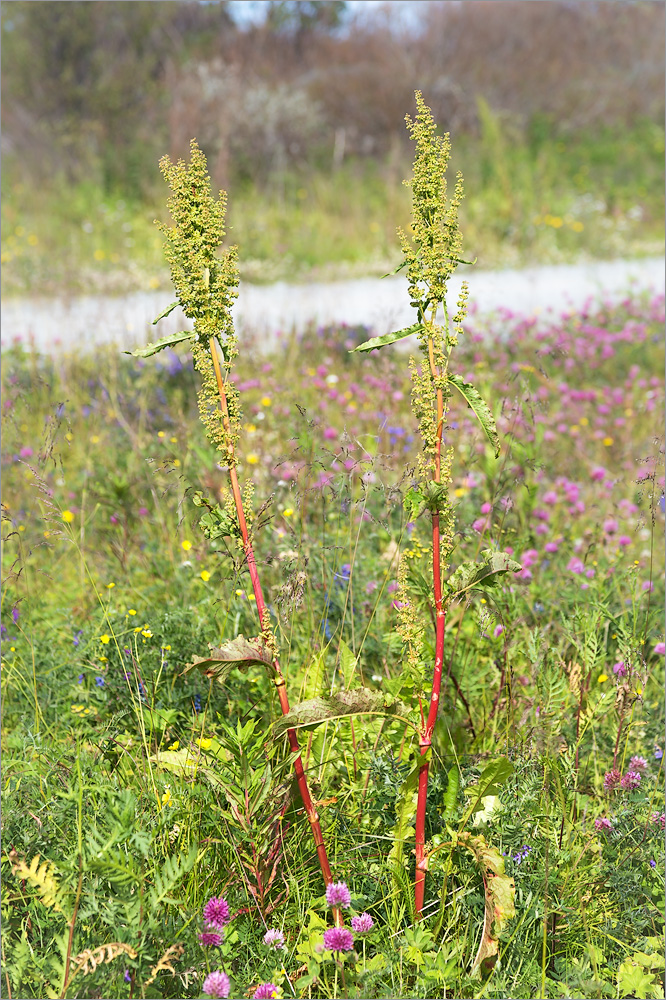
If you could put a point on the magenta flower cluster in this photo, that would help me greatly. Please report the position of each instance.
(217, 985)
(362, 924)
(630, 779)
(274, 939)
(337, 894)
(265, 991)
(338, 939)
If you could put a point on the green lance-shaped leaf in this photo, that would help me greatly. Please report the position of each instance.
(493, 776)
(500, 894)
(476, 403)
(405, 812)
(451, 794)
(480, 574)
(186, 764)
(166, 312)
(387, 338)
(240, 652)
(159, 345)
(338, 706)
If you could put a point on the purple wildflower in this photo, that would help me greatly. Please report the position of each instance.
(362, 924)
(630, 780)
(638, 764)
(497, 631)
(659, 819)
(15, 615)
(265, 991)
(210, 939)
(216, 912)
(217, 985)
(337, 894)
(660, 648)
(338, 939)
(612, 780)
(603, 824)
(652, 863)
(620, 669)
(274, 939)
(127, 977)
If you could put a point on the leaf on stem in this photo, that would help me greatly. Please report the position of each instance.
(240, 652)
(480, 574)
(166, 312)
(481, 410)
(500, 893)
(388, 338)
(159, 345)
(337, 706)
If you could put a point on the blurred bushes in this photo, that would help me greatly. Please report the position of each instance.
(101, 89)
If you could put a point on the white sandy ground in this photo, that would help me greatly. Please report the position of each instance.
(52, 325)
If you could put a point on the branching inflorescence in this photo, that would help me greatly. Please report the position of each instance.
(206, 285)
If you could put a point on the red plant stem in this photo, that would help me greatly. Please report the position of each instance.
(280, 683)
(425, 736)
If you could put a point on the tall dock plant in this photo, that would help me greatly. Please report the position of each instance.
(431, 253)
(206, 285)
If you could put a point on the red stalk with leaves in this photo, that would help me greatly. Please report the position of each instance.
(206, 285)
(431, 254)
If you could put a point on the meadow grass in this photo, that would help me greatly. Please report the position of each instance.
(134, 789)
(531, 199)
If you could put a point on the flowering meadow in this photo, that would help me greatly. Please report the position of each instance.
(154, 843)
(320, 678)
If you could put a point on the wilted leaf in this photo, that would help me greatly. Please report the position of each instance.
(337, 706)
(239, 652)
(483, 414)
(159, 345)
(480, 574)
(500, 893)
(387, 338)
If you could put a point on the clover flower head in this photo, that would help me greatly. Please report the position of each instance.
(631, 779)
(659, 819)
(620, 669)
(337, 894)
(603, 824)
(362, 924)
(217, 985)
(274, 939)
(638, 764)
(265, 991)
(612, 780)
(338, 939)
(210, 939)
(216, 912)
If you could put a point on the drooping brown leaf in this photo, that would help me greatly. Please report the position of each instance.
(88, 960)
(172, 954)
(358, 702)
(500, 893)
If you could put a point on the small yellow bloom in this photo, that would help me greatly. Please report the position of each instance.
(67, 516)
(161, 434)
(583, 421)
(574, 429)
(186, 545)
(239, 593)
(205, 575)
(147, 633)
(167, 647)
(110, 586)
(166, 798)
(607, 442)
(106, 639)
(138, 628)
(32, 240)
(265, 400)
(154, 283)
(94, 439)
(173, 440)
(69, 436)
(250, 428)
(175, 745)
(460, 492)
(577, 227)
(251, 458)
(131, 611)
(602, 678)
(204, 744)
(288, 512)
(99, 255)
